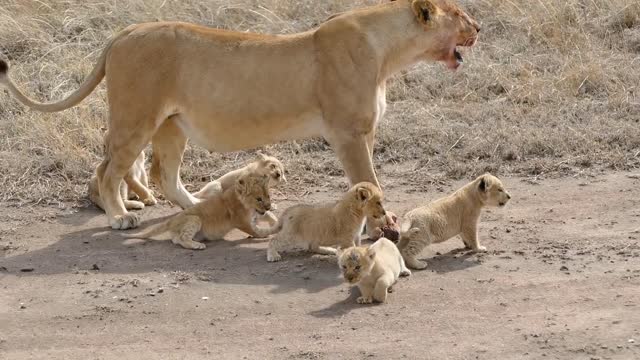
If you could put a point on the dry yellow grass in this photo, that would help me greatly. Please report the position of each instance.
(552, 88)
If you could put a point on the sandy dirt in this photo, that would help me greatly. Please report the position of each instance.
(561, 280)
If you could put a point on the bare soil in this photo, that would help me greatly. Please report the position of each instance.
(561, 280)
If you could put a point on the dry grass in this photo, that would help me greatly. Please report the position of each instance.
(553, 88)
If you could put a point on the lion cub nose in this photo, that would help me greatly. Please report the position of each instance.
(509, 196)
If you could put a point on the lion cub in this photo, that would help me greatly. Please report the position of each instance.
(318, 226)
(135, 182)
(263, 165)
(213, 218)
(373, 268)
(456, 214)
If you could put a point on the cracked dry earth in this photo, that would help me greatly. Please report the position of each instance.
(561, 280)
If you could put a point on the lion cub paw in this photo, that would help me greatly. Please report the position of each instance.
(365, 300)
(405, 273)
(480, 249)
(150, 201)
(124, 222)
(273, 257)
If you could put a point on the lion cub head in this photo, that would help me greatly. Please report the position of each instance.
(253, 192)
(369, 198)
(272, 167)
(491, 191)
(356, 262)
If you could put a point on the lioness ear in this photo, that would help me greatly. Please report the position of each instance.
(363, 194)
(424, 10)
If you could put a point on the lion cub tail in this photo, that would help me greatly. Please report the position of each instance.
(152, 230)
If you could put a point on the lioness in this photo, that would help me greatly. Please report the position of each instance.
(228, 91)
(456, 214)
(374, 268)
(213, 218)
(315, 227)
(135, 183)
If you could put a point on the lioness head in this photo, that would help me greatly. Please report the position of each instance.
(271, 167)
(446, 27)
(491, 190)
(369, 197)
(253, 192)
(356, 262)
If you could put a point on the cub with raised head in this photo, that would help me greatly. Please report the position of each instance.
(316, 227)
(456, 214)
(373, 268)
(212, 219)
(263, 165)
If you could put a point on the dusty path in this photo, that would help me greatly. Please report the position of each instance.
(561, 281)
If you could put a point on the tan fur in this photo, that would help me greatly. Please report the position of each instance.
(229, 91)
(264, 165)
(373, 268)
(135, 184)
(315, 227)
(456, 214)
(212, 219)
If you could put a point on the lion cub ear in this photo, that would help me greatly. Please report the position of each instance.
(483, 184)
(260, 155)
(363, 194)
(241, 185)
(424, 10)
(371, 252)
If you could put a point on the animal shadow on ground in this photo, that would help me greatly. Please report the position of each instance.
(238, 260)
(454, 260)
(341, 308)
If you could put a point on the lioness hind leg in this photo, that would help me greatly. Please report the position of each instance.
(185, 232)
(168, 144)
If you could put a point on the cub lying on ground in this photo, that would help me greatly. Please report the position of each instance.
(318, 226)
(135, 182)
(263, 165)
(456, 214)
(213, 218)
(373, 268)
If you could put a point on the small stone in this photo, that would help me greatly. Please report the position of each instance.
(160, 291)
(205, 298)
(95, 267)
(564, 268)
(28, 269)
(22, 306)
(631, 341)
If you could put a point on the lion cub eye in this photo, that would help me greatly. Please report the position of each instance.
(259, 199)
(358, 267)
(344, 267)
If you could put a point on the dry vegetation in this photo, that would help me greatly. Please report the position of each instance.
(552, 88)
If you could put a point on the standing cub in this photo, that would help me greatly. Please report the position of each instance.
(318, 226)
(456, 214)
(374, 268)
(212, 219)
(135, 183)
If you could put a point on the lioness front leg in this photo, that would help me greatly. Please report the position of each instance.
(168, 145)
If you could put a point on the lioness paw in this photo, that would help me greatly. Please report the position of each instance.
(365, 300)
(124, 222)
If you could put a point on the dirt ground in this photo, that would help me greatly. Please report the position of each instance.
(561, 280)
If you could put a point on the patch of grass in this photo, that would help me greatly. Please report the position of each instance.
(551, 89)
